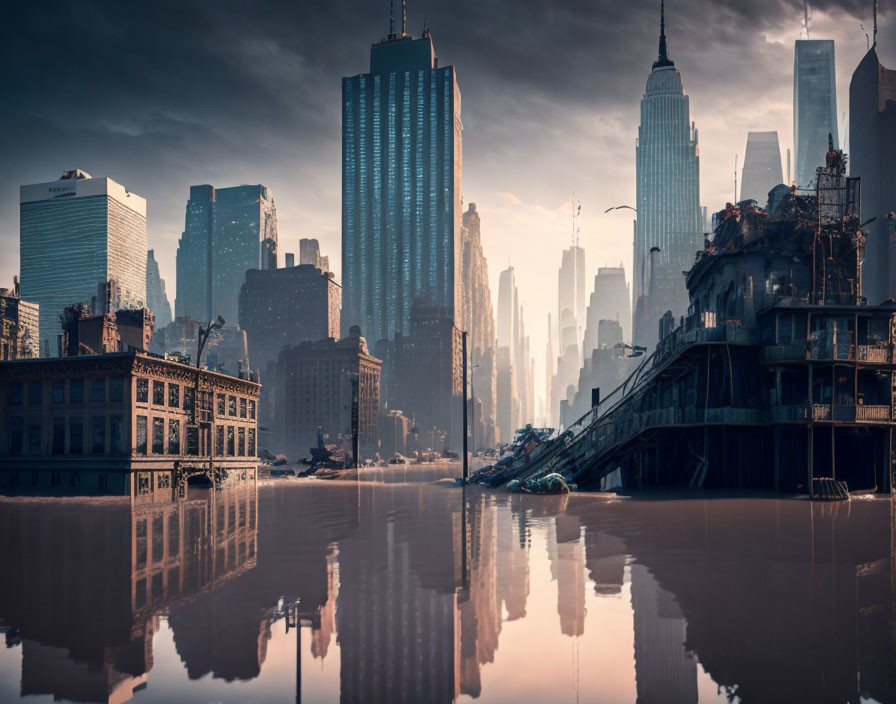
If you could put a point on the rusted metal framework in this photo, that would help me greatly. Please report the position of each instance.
(781, 376)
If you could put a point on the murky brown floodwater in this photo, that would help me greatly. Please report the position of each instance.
(362, 591)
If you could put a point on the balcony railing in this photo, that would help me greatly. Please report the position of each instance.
(783, 414)
(878, 353)
(771, 354)
(874, 414)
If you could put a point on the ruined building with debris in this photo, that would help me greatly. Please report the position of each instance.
(781, 376)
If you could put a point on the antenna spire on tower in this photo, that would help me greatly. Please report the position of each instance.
(404, 18)
(806, 17)
(663, 56)
(391, 19)
(874, 31)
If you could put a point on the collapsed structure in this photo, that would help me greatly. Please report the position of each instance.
(780, 376)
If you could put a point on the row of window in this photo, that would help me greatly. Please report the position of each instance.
(73, 391)
(226, 406)
(183, 439)
(104, 435)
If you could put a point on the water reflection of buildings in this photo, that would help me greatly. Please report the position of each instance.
(90, 580)
(780, 600)
(777, 600)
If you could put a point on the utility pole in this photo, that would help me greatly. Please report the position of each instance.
(356, 439)
(202, 335)
(466, 429)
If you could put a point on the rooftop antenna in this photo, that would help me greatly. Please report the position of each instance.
(576, 212)
(867, 40)
(391, 19)
(806, 17)
(874, 31)
(404, 18)
(735, 179)
(425, 28)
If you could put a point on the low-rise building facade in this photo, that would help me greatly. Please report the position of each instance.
(314, 393)
(88, 415)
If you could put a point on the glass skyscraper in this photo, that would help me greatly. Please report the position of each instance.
(762, 167)
(75, 233)
(872, 144)
(401, 170)
(227, 231)
(668, 196)
(814, 106)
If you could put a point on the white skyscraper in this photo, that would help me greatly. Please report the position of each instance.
(74, 233)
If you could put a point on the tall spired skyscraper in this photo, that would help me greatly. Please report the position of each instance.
(668, 185)
(814, 106)
(401, 170)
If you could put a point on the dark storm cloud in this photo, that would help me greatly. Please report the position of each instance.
(164, 94)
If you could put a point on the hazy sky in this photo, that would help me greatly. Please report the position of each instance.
(162, 95)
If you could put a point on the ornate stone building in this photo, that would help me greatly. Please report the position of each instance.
(18, 325)
(88, 415)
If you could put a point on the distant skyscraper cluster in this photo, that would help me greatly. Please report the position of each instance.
(227, 231)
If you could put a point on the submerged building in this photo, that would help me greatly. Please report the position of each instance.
(314, 394)
(781, 375)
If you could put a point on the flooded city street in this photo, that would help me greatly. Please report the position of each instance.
(400, 589)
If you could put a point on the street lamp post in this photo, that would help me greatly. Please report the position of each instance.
(202, 338)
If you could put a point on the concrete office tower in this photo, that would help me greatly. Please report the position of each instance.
(814, 106)
(314, 391)
(872, 139)
(227, 231)
(156, 296)
(401, 172)
(610, 300)
(668, 186)
(279, 307)
(309, 253)
(477, 317)
(762, 167)
(75, 233)
(571, 284)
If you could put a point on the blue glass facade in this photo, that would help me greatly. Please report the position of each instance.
(401, 168)
(75, 233)
(814, 106)
(227, 231)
